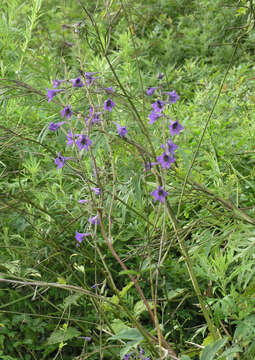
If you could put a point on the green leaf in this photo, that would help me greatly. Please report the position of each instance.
(128, 334)
(140, 307)
(118, 326)
(210, 351)
(126, 288)
(63, 335)
(72, 300)
(172, 294)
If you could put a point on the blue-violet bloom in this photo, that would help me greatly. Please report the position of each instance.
(94, 220)
(175, 128)
(95, 119)
(82, 201)
(55, 126)
(96, 190)
(141, 351)
(67, 112)
(78, 82)
(109, 90)
(60, 160)
(89, 77)
(83, 142)
(160, 76)
(80, 236)
(169, 147)
(153, 116)
(159, 194)
(165, 160)
(173, 97)
(150, 91)
(158, 105)
(122, 130)
(109, 104)
(52, 93)
(149, 165)
(127, 357)
(56, 83)
(70, 137)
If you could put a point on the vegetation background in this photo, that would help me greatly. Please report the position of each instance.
(60, 301)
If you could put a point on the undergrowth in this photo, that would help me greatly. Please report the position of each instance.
(127, 180)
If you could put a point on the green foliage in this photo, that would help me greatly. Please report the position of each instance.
(59, 293)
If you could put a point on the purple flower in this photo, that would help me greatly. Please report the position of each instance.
(169, 147)
(88, 338)
(60, 160)
(149, 165)
(83, 142)
(89, 77)
(175, 127)
(141, 351)
(173, 97)
(96, 190)
(159, 194)
(94, 220)
(127, 356)
(80, 236)
(52, 93)
(150, 91)
(77, 82)
(56, 83)
(122, 130)
(95, 170)
(160, 76)
(70, 137)
(153, 116)
(109, 104)
(55, 126)
(94, 120)
(158, 105)
(82, 201)
(67, 112)
(95, 116)
(109, 90)
(165, 160)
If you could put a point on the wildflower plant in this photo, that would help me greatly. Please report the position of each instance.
(118, 221)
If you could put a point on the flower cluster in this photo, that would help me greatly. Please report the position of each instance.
(136, 355)
(168, 155)
(82, 142)
(81, 139)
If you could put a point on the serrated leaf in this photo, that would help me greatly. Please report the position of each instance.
(140, 307)
(210, 351)
(118, 326)
(172, 294)
(60, 336)
(71, 300)
(230, 351)
(128, 334)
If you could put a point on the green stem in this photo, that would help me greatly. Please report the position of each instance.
(192, 275)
